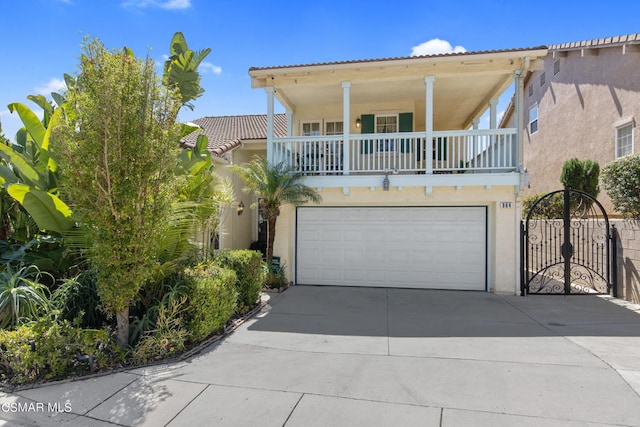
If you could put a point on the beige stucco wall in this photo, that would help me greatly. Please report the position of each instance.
(334, 113)
(238, 231)
(628, 262)
(578, 111)
(503, 229)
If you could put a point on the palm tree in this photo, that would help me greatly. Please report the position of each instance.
(278, 185)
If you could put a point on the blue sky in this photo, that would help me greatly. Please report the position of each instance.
(41, 38)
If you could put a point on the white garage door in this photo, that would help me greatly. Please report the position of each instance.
(411, 247)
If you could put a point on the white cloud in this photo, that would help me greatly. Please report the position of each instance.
(435, 47)
(54, 85)
(206, 67)
(175, 4)
(162, 4)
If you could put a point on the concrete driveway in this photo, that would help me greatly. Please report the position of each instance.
(325, 356)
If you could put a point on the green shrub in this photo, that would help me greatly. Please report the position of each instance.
(145, 312)
(211, 299)
(77, 297)
(550, 208)
(168, 337)
(581, 175)
(621, 180)
(247, 265)
(22, 295)
(275, 277)
(51, 350)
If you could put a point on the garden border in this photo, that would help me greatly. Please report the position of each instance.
(228, 329)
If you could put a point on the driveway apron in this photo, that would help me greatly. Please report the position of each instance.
(375, 356)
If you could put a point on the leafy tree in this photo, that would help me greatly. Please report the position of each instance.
(621, 180)
(194, 213)
(581, 175)
(119, 144)
(278, 185)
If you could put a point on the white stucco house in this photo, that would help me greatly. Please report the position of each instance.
(414, 193)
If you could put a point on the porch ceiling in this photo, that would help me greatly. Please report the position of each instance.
(464, 83)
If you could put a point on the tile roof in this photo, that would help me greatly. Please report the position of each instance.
(228, 132)
(603, 42)
(399, 58)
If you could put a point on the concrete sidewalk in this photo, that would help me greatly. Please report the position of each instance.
(331, 356)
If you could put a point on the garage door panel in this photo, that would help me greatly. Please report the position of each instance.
(424, 247)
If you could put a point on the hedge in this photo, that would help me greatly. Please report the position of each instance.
(621, 179)
(250, 276)
(50, 350)
(211, 299)
(550, 208)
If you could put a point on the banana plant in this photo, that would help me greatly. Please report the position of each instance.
(29, 174)
(181, 69)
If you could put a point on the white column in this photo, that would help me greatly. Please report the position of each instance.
(519, 117)
(493, 124)
(270, 154)
(346, 126)
(476, 150)
(289, 122)
(428, 122)
(493, 116)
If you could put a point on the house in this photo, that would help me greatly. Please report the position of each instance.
(235, 140)
(585, 103)
(414, 193)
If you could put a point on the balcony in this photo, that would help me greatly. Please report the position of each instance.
(487, 151)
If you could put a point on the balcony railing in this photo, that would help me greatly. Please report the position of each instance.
(486, 150)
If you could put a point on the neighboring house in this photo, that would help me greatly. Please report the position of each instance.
(414, 194)
(235, 140)
(584, 103)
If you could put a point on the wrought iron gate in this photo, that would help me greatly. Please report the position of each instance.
(567, 246)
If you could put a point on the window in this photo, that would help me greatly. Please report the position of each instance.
(333, 128)
(624, 140)
(311, 129)
(543, 77)
(556, 67)
(386, 124)
(530, 90)
(533, 119)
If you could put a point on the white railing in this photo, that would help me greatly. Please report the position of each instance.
(486, 150)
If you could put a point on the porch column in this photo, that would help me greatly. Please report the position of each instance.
(493, 116)
(270, 154)
(519, 96)
(289, 122)
(346, 126)
(493, 124)
(476, 151)
(428, 122)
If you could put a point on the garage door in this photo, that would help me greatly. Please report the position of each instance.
(412, 247)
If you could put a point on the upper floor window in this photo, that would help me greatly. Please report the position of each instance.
(530, 90)
(387, 124)
(543, 78)
(556, 67)
(310, 128)
(333, 128)
(533, 119)
(624, 140)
